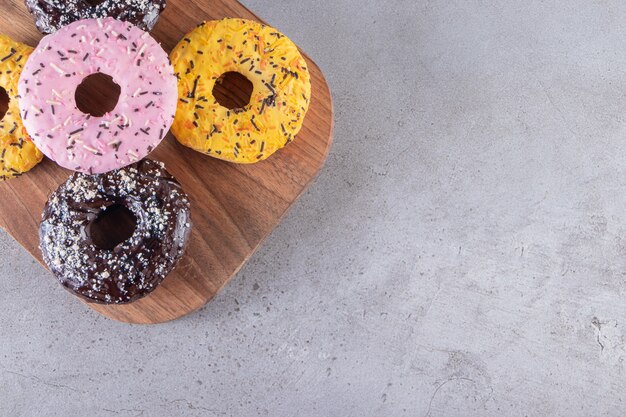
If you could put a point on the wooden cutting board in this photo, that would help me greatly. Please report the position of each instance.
(235, 207)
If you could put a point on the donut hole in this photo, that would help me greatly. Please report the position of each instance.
(4, 102)
(233, 90)
(114, 225)
(97, 95)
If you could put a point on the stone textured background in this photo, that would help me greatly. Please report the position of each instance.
(462, 254)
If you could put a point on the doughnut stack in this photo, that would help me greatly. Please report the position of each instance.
(108, 152)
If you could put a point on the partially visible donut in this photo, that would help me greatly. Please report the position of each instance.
(18, 154)
(52, 15)
(280, 96)
(144, 112)
(134, 267)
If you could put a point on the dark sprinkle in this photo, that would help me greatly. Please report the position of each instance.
(192, 93)
(13, 52)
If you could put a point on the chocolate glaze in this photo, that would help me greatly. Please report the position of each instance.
(133, 268)
(51, 15)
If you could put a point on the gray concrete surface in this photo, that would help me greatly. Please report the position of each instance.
(463, 253)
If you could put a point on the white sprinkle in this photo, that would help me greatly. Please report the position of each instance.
(100, 52)
(56, 93)
(136, 92)
(57, 69)
(56, 103)
(99, 22)
(90, 149)
(143, 48)
(67, 121)
(145, 35)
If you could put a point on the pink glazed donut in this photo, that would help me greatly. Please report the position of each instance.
(144, 112)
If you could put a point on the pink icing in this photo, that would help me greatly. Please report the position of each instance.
(144, 112)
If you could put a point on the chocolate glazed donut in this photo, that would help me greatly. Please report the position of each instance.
(51, 15)
(130, 267)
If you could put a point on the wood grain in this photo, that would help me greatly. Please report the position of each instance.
(235, 207)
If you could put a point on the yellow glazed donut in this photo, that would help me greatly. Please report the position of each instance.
(280, 96)
(18, 154)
